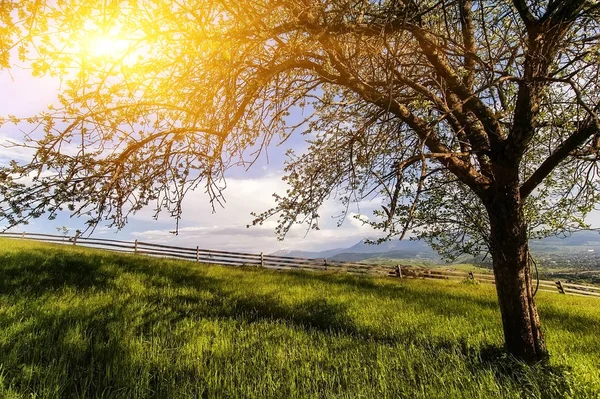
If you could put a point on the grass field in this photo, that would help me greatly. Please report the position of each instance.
(80, 323)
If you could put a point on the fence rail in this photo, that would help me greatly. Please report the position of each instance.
(290, 263)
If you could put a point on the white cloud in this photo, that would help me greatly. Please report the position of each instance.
(10, 149)
(254, 239)
(226, 228)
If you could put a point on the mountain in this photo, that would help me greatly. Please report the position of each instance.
(360, 251)
(389, 246)
(308, 254)
(578, 242)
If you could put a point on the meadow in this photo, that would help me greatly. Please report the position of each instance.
(83, 323)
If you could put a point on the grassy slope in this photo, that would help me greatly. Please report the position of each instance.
(85, 323)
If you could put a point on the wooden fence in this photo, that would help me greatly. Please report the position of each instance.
(291, 263)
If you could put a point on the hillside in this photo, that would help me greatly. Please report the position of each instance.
(405, 249)
(81, 323)
(574, 258)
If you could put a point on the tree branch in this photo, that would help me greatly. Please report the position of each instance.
(463, 170)
(466, 21)
(559, 154)
(525, 13)
(485, 115)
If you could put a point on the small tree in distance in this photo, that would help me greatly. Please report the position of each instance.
(475, 121)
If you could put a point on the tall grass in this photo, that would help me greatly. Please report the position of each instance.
(81, 323)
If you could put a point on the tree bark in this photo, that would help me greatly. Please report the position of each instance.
(510, 252)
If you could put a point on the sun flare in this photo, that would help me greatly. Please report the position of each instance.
(107, 46)
(114, 44)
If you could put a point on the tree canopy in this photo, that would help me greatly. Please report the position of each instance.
(444, 110)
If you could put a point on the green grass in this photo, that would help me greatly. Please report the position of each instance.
(427, 263)
(80, 323)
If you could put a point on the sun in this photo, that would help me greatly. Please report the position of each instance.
(114, 44)
(107, 46)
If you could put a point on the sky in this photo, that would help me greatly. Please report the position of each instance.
(226, 229)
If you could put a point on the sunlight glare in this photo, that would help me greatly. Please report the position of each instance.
(107, 47)
(110, 45)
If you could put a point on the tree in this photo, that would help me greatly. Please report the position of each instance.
(475, 121)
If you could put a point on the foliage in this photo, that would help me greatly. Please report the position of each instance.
(474, 121)
(411, 102)
(76, 322)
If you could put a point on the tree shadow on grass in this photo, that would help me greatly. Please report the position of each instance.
(227, 301)
(103, 362)
(69, 355)
(398, 289)
(80, 351)
(450, 303)
(536, 380)
(37, 270)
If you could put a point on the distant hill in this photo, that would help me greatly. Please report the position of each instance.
(361, 251)
(309, 254)
(357, 257)
(578, 242)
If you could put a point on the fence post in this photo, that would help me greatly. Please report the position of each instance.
(560, 287)
(262, 259)
(76, 236)
(471, 277)
(135, 247)
(23, 236)
(197, 253)
(325, 263)
(398, 271)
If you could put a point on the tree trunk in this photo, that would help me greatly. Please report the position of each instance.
(509, 249)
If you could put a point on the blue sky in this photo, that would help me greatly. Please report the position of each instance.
(248, 191)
